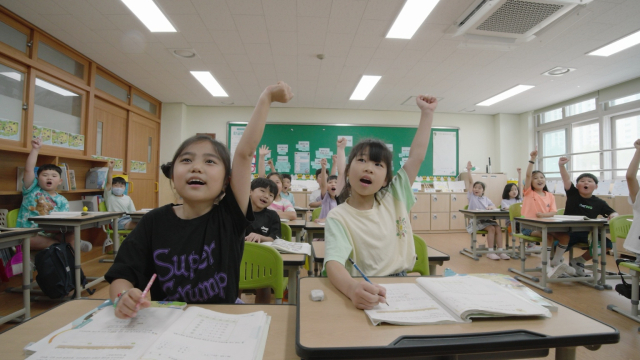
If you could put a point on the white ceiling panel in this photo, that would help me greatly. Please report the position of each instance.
(215, 14)
(238, 62)
(284, 43)
(318, 8)
(228, 42)
(259, 53)
(245, 7)
(252, 29)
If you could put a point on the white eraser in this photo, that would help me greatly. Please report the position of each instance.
(317, 295)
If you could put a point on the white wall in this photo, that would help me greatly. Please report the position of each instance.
(172, 129)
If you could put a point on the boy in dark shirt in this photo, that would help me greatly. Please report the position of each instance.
(580, 201)
(266, 226)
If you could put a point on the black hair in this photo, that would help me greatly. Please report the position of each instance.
(377, 151)
(484, 187)
(588, 175)
(286, 176)
(275, 174)
(332, 177)
(320, 170)
(218, 147)
(507, 190)
(119, 180)
(262, 183)
(46, 167)
(545, 185)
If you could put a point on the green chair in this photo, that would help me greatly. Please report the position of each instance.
(560, 211)
(635, 298)
(619, 228)
(316, 213)
(484, 232)
(422, 261)
(261, 267)
(109, 240)
(12, 218)
(285, 231)
(515, 211)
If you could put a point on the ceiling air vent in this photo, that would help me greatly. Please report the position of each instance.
(511, 21)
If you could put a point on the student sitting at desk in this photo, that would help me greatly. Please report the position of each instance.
(281, 205)
(371, 225)
(538, 202)
(330, 187)
(632, 242)
(39, 197)
(477, 201)
(116, 199)
(266, 226)
(286, 182)
(194, 248)
(315, 200)
(580, 201)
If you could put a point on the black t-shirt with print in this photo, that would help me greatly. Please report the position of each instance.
(266, 223)
(589, 207)
(196, 260)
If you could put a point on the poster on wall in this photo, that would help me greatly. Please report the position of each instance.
(59, 138)
(43, 133)
(76, 141)
(236, 135)
(9, 129)
(302, 163)
(444, 153)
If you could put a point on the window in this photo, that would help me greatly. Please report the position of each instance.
(554, 145)
(11, 100)
(624, 100)
(551, 116)
(627, 131)
(111, 88)
(57, 58)
(586, 138)
(57, 115)
(581, 107)
(144, 104)
(12, 37)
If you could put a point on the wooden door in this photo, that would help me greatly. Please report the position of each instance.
(112, 142)
(142, 160)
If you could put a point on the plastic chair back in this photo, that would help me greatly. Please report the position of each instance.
(515, 211)
(261, 267)
(102, 206)
(560, 211)
(12, 218)
(285, 231)
(316, 213)
(422, 261)
(619, 227)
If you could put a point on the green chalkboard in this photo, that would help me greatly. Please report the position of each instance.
(325, 137)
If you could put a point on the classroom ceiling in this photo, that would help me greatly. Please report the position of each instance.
(248, 44)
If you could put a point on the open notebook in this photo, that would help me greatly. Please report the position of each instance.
(162, 333)
(454, 299)
(288, 247)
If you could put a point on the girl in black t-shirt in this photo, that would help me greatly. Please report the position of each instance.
(194, 248)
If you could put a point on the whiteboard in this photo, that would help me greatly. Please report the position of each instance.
(445, 149)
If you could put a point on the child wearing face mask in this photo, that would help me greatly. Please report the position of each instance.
(116, 199)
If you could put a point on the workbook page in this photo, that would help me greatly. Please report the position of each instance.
(409, 305)
(206, 334)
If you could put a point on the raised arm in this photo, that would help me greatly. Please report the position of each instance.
(272, 167)
(532, 160)
(30, 166)
(107, 186)
(520, 182)
(241, 179)
(418, 151)
(322, 178)
(334, 164)
(632, 173)
(566, 178)
(342, 163)
(469, 182)
(262, 152)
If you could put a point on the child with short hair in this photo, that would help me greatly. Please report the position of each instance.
(315, 200)
(117, 200)
(581, 201)
(512, 193)
(286, 188)
(194, 248)
(39, 197)
(477, 201)
(331, 187)
(282, 206)
(632, 242)
(372, 225)
(538, 202)
(266, 226)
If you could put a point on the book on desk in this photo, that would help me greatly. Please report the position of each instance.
(455, 299)
(288, 247)
(161, 333)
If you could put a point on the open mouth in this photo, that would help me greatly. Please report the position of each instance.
(49, 183)
(365, 181)
(334, 189)
(196, 182)
(263, 201)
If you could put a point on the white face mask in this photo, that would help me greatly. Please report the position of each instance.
(117, 191)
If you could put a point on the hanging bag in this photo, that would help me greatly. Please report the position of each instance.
(56, 271)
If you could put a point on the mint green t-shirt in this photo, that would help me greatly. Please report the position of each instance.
(37, 202)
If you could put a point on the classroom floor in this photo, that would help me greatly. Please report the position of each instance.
(579, 297)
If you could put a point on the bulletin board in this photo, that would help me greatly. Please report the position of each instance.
(298, 149)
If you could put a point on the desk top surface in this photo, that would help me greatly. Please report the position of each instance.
(312, 225)
(76, 217)
(496, 212)
(298, 223)
(319, 251)
(318, 333)
(280, 341)
(559, 222)
(293, 259)
(10, 232)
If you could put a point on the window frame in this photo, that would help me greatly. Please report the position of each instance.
(25, 100)
(65, 51)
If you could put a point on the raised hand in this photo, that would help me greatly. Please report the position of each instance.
(563, 160)
(342, 143)
(534, 153)
(426, 102)
(36, 143)
(270, 162)
(264, 150)
(111, 163)
(334, 158)
(280, 92)
(323, 163)
(469, 166)
(636, 144)
(519, 171)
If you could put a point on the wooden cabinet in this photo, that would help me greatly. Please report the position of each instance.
(456, 221)
(440, 202)
(301, 198)
(494, 184)
(423, 203)
(440, 221)
(458, 201)
(420, 221)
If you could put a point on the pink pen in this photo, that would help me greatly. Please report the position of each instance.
(146, 290)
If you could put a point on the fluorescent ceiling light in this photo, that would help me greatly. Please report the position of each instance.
(56, 89)
(12, 75)
(618, 45)
(364, 87)
(150, 15)
(209, 82)
(410, 18)
(505, 95)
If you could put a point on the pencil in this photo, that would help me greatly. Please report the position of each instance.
(146, 290)
(363, 275)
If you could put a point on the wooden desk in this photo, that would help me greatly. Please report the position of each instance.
(20, 236)
(476, 215)
(280, 341)
(334, 328)
(292, 263)
(302, 212)
(80, 222)
(436, 257)
(296, 227)
(314, 230)
(137, 215)
(548, 224)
